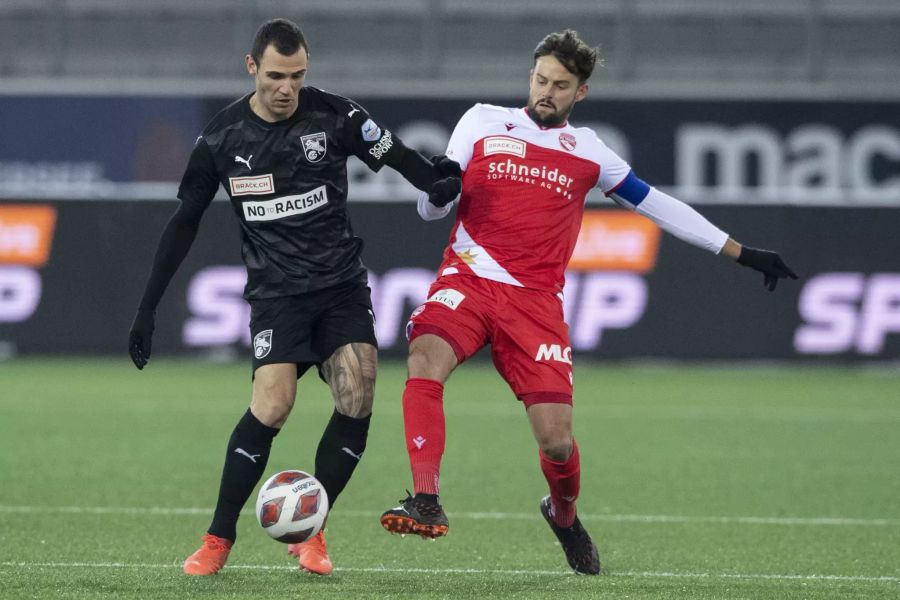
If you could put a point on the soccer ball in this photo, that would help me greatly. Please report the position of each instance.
(292, 506)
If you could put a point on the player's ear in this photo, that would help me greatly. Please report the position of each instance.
(251, 64)
(581, 92)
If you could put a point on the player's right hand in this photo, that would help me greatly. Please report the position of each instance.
(447, 167)
(141, 336)
(444, 191)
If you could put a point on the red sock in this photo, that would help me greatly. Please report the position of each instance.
(423, 420)
(564, 479)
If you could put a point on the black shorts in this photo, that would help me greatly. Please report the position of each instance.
(306, 329)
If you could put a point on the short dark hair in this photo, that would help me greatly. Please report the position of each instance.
(285, 35)
(569, 49)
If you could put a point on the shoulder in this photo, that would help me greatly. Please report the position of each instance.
(583, 141)
(329, 102)
(489, 111)
(232, 114)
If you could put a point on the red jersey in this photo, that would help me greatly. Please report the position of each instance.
(523, 194)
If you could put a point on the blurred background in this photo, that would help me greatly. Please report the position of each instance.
(778, 120)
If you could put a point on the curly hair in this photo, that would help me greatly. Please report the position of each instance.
(570, 50)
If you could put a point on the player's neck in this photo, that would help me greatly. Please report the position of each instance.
(260, 111)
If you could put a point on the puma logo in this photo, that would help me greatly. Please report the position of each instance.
(352, 453)
(246, 161)
(252, 457)
(355, 110)
(419, 442)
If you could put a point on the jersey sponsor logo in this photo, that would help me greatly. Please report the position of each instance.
(498, 144)
(554, 352)
(567, 141)
(313, 146)
(449, 298)
(285, 206)
(26, 234)
(262, 344)
(252, 186)
(381, 148)
(370, 131)
(552, 179)
(246, 161)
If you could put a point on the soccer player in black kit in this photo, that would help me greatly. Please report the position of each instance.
(281, 153)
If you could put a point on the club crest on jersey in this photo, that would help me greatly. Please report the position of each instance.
(313, 146)
(567, 141)
(262, 344)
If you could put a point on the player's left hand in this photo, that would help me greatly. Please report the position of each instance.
(140, 337)
(766, 262)
(444, 191)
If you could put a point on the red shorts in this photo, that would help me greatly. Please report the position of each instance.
(529, 338)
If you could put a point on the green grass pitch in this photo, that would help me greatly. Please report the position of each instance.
(697, 482)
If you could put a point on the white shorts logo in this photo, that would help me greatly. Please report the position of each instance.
(370, 131)
(262, 344)
(498, 144)
(449, 298)
(286, 206)
(251, 186)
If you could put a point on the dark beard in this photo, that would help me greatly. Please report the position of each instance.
(551, 121)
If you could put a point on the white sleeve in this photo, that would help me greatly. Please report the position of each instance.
(430, 212)
(462, 140)
(682, 221)
(459, 148)
(613, 168)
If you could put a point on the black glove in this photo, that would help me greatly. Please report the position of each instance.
(447, 167)
(766, 262)
(444, 191)
(141, 336)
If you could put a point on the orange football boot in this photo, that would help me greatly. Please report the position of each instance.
(313, 555)
(211, 556)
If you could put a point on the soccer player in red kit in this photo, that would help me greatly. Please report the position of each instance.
(525, 173)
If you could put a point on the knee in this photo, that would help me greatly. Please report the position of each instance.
(272, 411)
(422, 363)
(557, 449)
(272, 405)
(356, 403)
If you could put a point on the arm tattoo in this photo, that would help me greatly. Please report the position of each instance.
(350, 372)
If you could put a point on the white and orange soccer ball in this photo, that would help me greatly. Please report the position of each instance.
(292, 506)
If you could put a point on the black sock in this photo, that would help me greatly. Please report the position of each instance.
(245, 462)
(340, 450)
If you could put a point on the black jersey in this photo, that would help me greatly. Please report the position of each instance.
(288, 186)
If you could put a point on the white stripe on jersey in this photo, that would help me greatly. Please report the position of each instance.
(478, 259)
